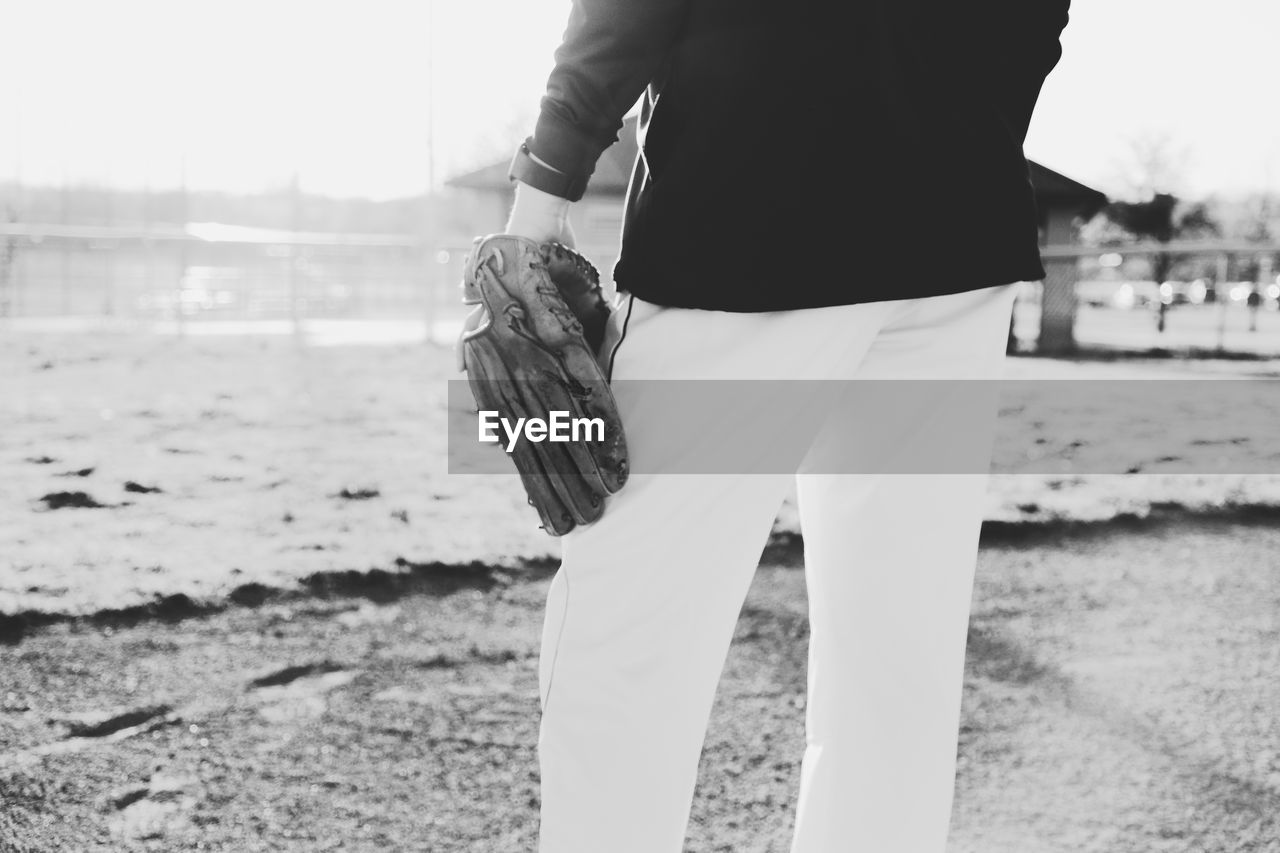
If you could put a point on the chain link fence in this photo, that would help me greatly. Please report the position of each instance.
(1220, 295)
(223, 273)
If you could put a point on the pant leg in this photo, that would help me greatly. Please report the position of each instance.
(642, 610)
(889, 562)
(639, 619)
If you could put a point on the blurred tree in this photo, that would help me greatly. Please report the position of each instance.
(1257, 218)
(1162, 218)
(1152, 173)
(1153, 164)
(493, 143)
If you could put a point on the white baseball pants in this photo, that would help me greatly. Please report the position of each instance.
(641, 613)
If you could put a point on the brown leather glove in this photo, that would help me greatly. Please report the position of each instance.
(530, 350)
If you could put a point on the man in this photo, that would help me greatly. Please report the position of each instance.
(825, 191)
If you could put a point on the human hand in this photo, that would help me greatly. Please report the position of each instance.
(540, 216)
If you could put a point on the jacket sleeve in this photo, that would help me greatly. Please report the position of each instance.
(610, 51)
(1027, 61)
(1028, 49)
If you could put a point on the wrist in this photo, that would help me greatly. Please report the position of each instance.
(532, 201)
(538, 215)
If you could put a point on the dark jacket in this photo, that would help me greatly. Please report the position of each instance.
(813, 152)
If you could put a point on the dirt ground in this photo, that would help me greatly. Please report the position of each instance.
(244, 607)
(1120, 696)
(139, 468)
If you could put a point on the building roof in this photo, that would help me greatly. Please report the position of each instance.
(1054, 189)
(613, 172)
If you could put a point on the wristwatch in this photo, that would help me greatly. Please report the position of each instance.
(530, 171)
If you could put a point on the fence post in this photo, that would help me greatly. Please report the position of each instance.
(184, 216)
(1058, 306)
(7, 252)
(1221, 298)
(428, 263)
(1258, 295)
(295, 254)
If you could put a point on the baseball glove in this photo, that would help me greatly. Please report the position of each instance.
(530, 351)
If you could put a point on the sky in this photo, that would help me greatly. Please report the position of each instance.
(382, 98)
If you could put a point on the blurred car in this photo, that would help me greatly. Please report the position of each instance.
(201, 290)
(1097, 293)
(1137, 294)
(1238, 291)
(1102, 293)
(1174, 292)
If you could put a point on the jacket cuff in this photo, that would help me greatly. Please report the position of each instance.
(533, 171)
(564, 146)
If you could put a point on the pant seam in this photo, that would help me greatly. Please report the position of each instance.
(622, 336)
(555, 655)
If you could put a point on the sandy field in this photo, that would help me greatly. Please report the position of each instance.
(1118, 699)
(244, 607)
(136, 468)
